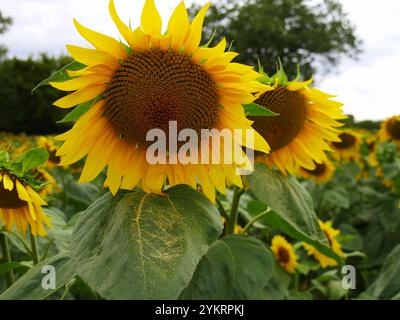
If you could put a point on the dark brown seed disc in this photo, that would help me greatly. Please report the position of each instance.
(320, 169)
(348, 140)
(10, 199)
(291, 106)
(283, 255)
(154, 87)
(393, 128)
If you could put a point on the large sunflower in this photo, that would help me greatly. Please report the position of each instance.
(20, 205)
(306, 121)
(322, 173)
(141, 85)
(390, 130)
(284, 253)
(348, 149)
(331, 234)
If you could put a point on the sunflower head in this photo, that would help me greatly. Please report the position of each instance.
(20, 202)
(144, 84)
(331, 234)
(348, 148)
(306, 122)
(390, 130)
(322, 173)
(284, 253)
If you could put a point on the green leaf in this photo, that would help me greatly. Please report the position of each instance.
(8, 266)
(387, 285)
(144, 246)
(235, 267)
(277, 287)
(77, 112)
(60, 75)
(292, 208)
(255, 110)
(33, 158)
(29, 286)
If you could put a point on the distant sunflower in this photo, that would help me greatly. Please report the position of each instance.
(306, 121)
(322, 173)
(20, 205)
(49, 144)
(331, 234)
(284, 253)
(390, 130)
(49, 183)
(371, 145)
(154, 79)
(348, 149)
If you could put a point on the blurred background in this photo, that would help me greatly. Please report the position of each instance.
(351, 47)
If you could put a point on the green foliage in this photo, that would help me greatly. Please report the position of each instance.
(147, 242)
(291, 207)
(235, 267)
(22, 111)
(296, 31)
(255, 110)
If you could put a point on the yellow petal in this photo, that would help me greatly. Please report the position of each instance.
(151, 20)
(8, 183)
(35, 197)
(122, 28)
(80, 96)
(179, 26)
(196, 30)
(81, 82)
(22, 193)
(101, 41)
(91, 57)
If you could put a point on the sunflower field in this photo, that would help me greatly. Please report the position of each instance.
(85, 214)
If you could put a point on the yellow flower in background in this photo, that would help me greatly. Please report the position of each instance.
(284, 253)
(21, 206)
(371, 144)
(322, 173)
(348, 149)
(331, 234)
(49, 144)
(386, 182)
(306, 122)
(390, 130)
(156, 78)
(49, 183)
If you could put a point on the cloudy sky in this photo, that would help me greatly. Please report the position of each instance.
(368, 87)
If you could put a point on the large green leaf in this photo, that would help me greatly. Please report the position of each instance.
(387, 285)
(29, 286)
(235, 267)
(292, 207)
(144, 246)
(277, 287)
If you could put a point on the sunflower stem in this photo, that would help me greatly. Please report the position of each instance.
(5, 249)
(233, 217)
(255, 219)
(34, 249)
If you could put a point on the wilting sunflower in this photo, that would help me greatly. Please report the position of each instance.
(331, 235)
(306, 121)
(144, 84)
(322, 173)
(390, 130)
(284, 253)
(348, 149)
(21, 205)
